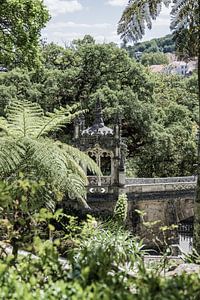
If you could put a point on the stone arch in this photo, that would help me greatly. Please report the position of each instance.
(184, 209)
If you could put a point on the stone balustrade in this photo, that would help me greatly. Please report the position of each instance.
(138, 181)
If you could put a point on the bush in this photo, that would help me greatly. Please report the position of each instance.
(48, 277)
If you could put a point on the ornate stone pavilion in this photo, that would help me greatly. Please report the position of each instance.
(106, 147)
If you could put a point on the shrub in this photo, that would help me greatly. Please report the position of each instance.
(121, 209)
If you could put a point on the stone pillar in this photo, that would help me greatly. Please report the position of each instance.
(76, 128)
(122, 173)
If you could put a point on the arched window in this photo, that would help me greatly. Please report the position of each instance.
(103, 159)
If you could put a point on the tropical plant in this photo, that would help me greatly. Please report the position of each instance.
(140, 13)
(26, 145)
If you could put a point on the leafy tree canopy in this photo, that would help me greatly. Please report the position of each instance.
(78, 74)
(20, 24)
(172, 146)
(157, 58)
(164, 44)
(148, 104)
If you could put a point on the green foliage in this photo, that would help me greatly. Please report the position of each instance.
(105, 264)
(165, 44)
(184, 22)
(157, 236)
(121, 209)
(159, 288)
(171, 150)
(192, 257)
(95, 263)
(20, 24)
(19, 200)
(158, 58)
(25, 148)
(158, 112)
(77, 75)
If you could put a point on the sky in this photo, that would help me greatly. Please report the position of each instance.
(72, 19)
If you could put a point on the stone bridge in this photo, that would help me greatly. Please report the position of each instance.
(170, 200)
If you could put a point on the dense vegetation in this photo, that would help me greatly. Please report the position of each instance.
(185, 24)
(21, 22)
(100, 260)
(157, 58)
(165, 44)
(43, 90)
(98, 267)
(155, 109)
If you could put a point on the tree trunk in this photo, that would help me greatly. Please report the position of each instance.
(196, 237)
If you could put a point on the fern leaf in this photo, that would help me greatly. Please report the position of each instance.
(51, 164)
(24, 118)
(57, 120)
(136, 15)
(11, 155)
(61, 165)
(81, 158)
(4, 126)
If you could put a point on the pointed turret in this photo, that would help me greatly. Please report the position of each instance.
(98, 127)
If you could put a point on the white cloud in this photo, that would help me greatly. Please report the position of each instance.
(61, 25)
(63, 6)
(117, 2)
(67, 37)
(164, 18)
(64, 35)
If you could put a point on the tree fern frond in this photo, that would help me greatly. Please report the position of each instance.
(136, 15)
(183, 15)
(51, 164)
(4, 126)
(11, 155)
(60, 165)
(24, 118)
(58, 119)
(81, 158)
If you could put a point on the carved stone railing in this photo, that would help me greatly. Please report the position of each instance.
(138, 181)
(103, 180)
(144, 185)
(161, 187)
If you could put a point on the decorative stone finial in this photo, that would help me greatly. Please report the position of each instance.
(98, 114)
